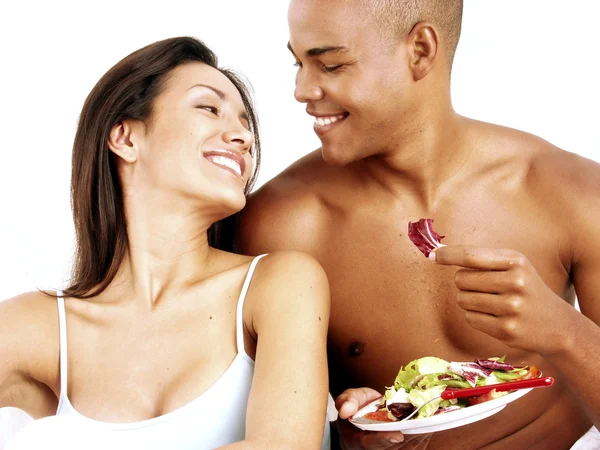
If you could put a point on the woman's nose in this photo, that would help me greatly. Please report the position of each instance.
(239, 136)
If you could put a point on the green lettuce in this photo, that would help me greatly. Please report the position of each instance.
(410, 375)
(419, 397)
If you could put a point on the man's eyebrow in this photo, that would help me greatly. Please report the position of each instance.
(220, 93)
(317, 51)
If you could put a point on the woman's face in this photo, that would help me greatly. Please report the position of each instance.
(196, 144)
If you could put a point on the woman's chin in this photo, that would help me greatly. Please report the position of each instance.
(232, 204)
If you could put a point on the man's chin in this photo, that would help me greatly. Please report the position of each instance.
(335, 156)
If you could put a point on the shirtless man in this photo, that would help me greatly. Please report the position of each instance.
(522, 220)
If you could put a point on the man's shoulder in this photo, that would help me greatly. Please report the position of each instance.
(564, 184)
(565, 177)
(567, 185)
(306, 180)
(297, 183)
(281, 214)
(548, 169)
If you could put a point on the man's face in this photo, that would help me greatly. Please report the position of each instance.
(355, 83)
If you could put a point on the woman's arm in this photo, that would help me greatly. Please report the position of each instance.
(290, 315)
(28, 347)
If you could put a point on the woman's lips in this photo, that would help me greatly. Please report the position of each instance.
(229, 160)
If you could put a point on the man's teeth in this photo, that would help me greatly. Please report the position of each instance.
(227, 162)
(322, 121)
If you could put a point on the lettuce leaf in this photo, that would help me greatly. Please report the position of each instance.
(408, 377)
(419, 397)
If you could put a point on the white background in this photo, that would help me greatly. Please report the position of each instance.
(529, 64)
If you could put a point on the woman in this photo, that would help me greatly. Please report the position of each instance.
(154, 340)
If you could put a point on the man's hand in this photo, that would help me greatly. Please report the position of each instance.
(351, 438)
(504, 297)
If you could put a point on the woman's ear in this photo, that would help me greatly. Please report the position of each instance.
(121, 143)
(424, 48)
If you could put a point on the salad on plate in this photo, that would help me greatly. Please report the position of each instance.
(426, 378)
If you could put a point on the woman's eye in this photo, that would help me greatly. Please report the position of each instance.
(328, 69)
(212, 109)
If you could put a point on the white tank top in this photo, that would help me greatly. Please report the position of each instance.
(215, 418)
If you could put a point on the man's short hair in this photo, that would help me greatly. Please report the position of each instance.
(398, 17)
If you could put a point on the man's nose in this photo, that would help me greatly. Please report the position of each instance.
(307, 89)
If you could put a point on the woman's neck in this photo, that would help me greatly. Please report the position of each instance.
(167, 248)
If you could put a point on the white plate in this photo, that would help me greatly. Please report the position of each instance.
(439, 422)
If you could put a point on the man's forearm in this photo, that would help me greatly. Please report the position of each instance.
(579, 364)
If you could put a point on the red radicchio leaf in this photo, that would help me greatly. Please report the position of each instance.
(422, 235)
(400, 410)
(469, 371)
(494, 365)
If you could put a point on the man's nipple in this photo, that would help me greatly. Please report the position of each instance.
(356, 349)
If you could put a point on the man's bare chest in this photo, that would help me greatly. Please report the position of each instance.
(390, 304)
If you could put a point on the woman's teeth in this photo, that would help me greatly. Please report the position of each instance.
(322, 121)
(226, 162)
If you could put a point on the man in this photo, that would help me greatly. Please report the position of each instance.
(522, 220)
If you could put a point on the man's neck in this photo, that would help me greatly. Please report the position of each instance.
(425, 159)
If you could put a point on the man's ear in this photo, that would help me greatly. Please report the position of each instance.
(424, 49)
(121, 142)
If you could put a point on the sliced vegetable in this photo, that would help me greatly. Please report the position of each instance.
(422, 235)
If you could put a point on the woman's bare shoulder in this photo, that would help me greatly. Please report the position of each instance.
(29, 326)
(282, 267)
(29, 351)
(32, 306)
(291, 279)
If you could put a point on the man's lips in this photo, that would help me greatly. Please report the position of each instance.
(227, 159)
(326, 122)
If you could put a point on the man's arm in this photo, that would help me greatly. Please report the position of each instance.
(504, 296)
(579, 361)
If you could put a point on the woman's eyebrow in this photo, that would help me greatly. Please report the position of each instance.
(220, 93)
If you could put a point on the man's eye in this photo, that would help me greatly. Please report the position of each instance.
(329, 69)
(297, 64)
(209, 108)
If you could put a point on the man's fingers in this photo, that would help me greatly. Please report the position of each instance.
(495, 305)
(504, 329)
(355, 438)
(478, 258)
(390, 440)
(381, 440)
(420, 442)
(347, 404)
(351, 400)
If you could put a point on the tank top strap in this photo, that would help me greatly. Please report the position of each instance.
(62, 328)
(239, 325)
